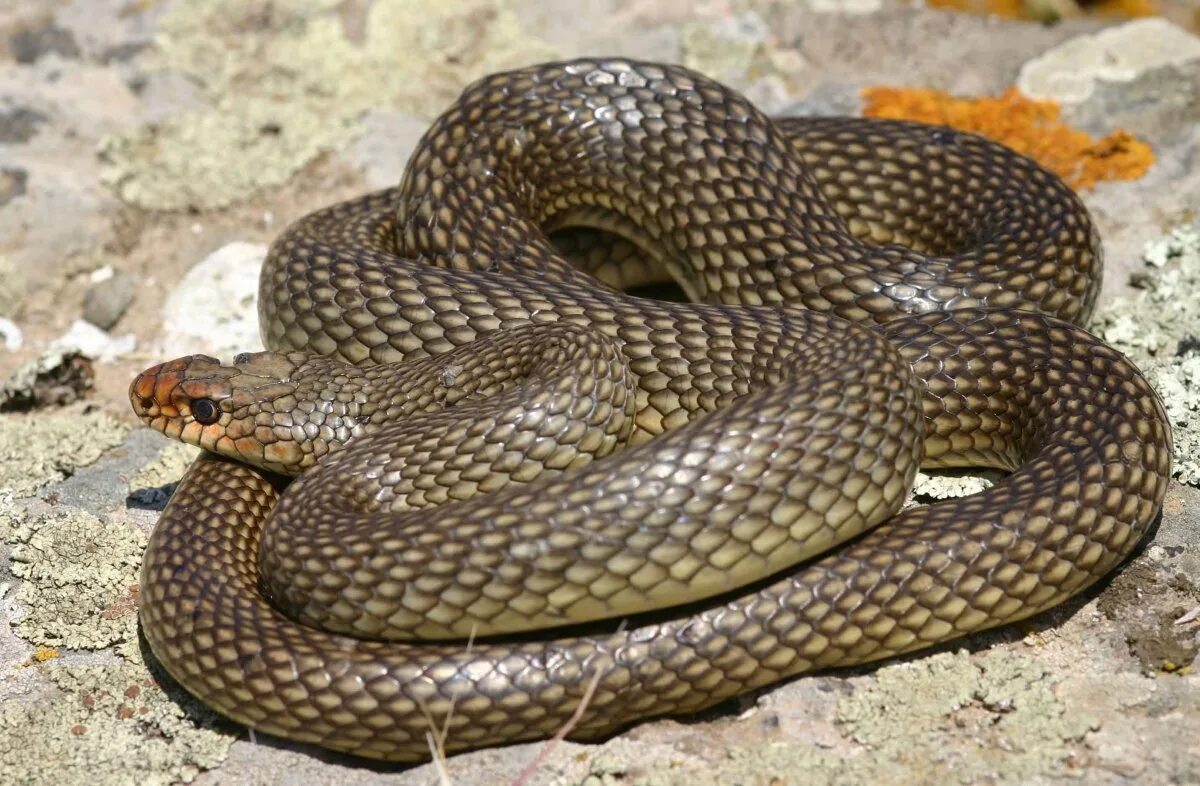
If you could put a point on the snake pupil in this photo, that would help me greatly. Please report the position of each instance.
(205, 411)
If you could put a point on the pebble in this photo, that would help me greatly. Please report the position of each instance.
(107, 300)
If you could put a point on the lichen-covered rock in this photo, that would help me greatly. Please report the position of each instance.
(1159, 328)
(109, 726)
(51, 379)
(249, 139)
(151, 486)
(38, 448)
(80, 579)
(1069, 72)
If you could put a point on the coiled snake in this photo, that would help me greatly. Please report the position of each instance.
(716, 482)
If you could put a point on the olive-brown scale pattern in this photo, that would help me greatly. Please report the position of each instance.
(700, 176)
(754, 484)
(1082, 432)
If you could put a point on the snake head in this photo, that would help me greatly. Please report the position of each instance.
(252, 409)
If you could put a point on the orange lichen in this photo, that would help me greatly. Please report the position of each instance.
(42, 654)
(1009, 9)
(1051, 9)
(1125, 9)
(1031, 127)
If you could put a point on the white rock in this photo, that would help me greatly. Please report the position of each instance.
(214, 309)
(845, 6)
(13, 337)
(1068, 73)
(94, 342)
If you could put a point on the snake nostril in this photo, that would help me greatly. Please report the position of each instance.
(146, 403)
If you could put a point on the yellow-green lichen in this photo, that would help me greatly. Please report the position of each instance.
(947, 718)
(964, 719)
(723, 48)
(38, 448)
(1158, 327)
(289, 80)
(80, 579)
(109, 725)
(204, 158)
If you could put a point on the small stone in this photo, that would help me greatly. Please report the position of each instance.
(123, 52)
(107, 300)
(19, 124)
(11, 333)
(12, 184)
(846, 6)
(31, 45)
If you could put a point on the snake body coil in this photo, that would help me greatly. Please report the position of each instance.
(477, 486)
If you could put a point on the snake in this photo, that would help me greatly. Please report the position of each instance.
(482, 487)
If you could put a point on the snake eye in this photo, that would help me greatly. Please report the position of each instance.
(205, 411)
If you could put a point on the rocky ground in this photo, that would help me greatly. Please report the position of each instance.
(149, 150)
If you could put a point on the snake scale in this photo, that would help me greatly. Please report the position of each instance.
(518, 482)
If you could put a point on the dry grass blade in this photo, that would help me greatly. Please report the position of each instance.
(552, 743)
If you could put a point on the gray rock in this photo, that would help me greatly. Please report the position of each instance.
(383, 149)
(107, 300)
(1070, 72)
(825, 100)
